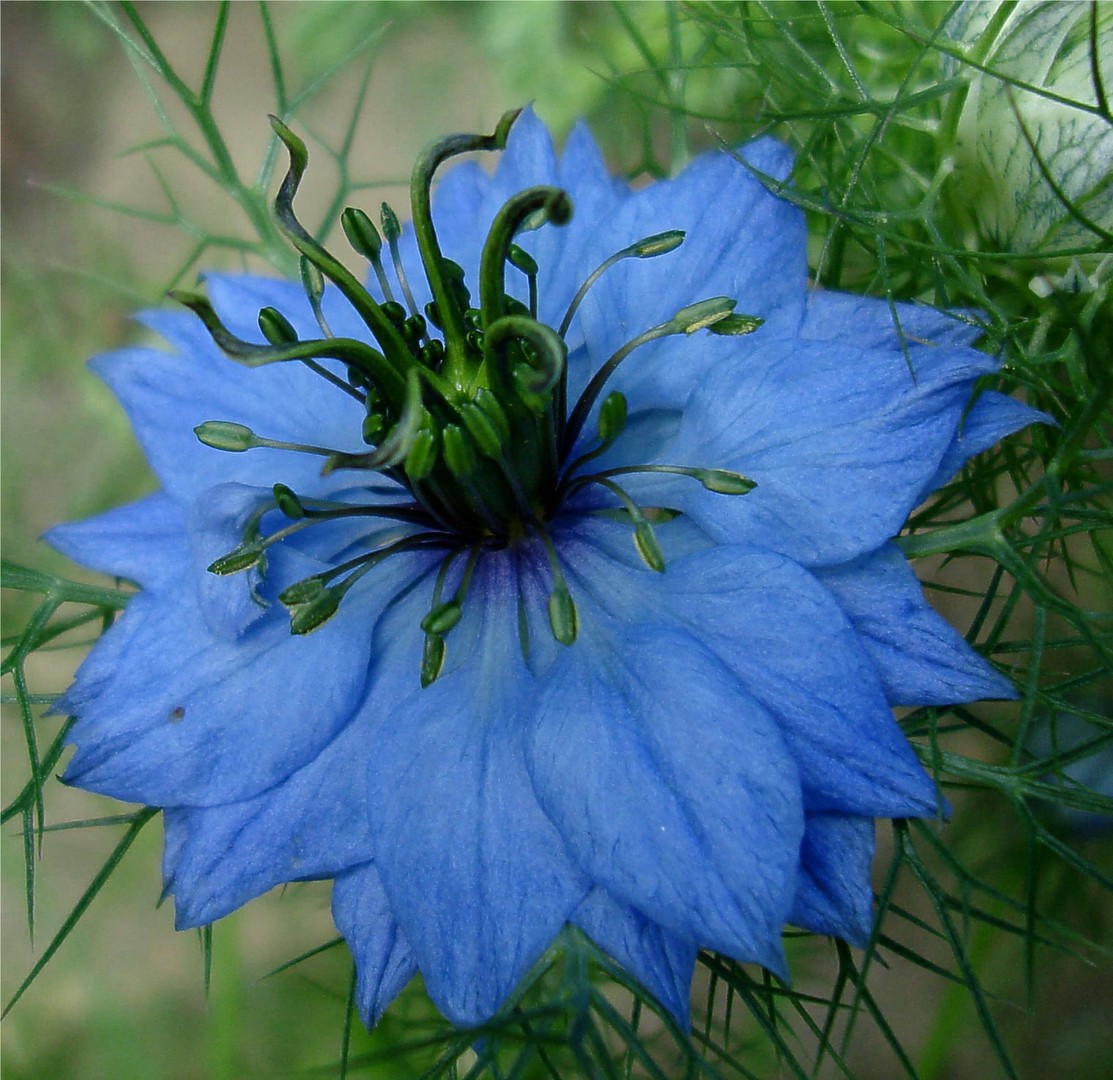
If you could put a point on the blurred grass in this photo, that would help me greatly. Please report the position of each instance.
(866, 104)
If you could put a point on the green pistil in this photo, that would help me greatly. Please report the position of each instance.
(357, 354)
(372, 314)
(552, 205)
(421, 180)
(525, 262)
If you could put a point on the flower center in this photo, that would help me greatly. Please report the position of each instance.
(466, 406)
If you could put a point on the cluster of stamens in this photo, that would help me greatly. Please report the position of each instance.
(465, 406)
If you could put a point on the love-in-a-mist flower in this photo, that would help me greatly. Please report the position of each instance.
(547, 580)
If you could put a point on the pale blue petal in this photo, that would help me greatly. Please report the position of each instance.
(790, 645)
(583, 171)
(921, 658)
(214, 721)
(143, 541)
(99, 669)
(166, 395)
(740, 241)
(989, 419)
(238, 299)
(671, 786)
(477, 876)
(192, 720)
(313, 823)
(384, 960)
(874, 323)
(307, 826)
(833, 894)
(661, 961)
(229, 603)
(841, 442)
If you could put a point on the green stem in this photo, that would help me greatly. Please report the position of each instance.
(982, 535)
(198, 107)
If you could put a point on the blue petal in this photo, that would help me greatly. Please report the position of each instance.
(991, 417)
(143, 542)
(476, 874)
(788, 643)
(661, 961)
(100, 668)
(670, 785)
(308, 826)
(188, 719)
(841, 442)
(833, 894)
(582, 170)
(873, 323)
(384, 961)
(238, 299)
(166, 395)
(529, 157)
(741, 242)
(921, 658)
(213, 722)
(229, 602)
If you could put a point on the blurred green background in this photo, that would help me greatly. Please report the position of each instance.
(124, 997)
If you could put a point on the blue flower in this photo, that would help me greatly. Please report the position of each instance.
(496, 714)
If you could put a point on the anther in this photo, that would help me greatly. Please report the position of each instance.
(564, 620)
(287, 501)
(645, 539)
(236, 438)
(276, 328)
(365, 240)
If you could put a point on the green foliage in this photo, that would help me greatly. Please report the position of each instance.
(1019, 544)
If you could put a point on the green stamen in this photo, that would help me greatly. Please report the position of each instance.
(473, 424)
(686, 321)
(648, 248)
(392, 230)
(564, 620)
(645, 539)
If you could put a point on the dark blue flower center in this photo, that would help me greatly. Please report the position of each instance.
(466, 404)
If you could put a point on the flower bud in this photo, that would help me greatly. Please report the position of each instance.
(1013, 147)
